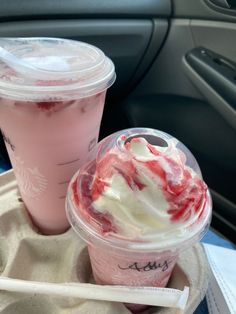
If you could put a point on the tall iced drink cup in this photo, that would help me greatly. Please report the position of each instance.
(138, 205)
(52, 94)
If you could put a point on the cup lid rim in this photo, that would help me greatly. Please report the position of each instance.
(98, 77)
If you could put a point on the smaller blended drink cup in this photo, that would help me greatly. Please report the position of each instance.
(138, 205)
(52, 94)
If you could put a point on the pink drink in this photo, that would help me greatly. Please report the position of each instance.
(138, 205)
(117, 267)
(50, 135)
(47, 143)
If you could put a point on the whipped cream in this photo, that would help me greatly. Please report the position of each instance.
(142, 193)
(147, 189)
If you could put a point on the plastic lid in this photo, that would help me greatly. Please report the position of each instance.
(37, 69)
(167, 166)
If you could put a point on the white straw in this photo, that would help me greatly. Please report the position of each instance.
(140, 295)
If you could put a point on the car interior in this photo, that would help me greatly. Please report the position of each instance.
(176, 72)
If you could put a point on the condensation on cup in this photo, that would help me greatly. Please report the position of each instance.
(52, 94)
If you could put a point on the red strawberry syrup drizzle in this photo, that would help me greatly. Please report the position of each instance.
(54, 105)
(185, 194)
(101, 221)
(109, 165)
(45, 105)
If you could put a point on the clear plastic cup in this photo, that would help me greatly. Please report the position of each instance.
(119, 256)
(52, 94)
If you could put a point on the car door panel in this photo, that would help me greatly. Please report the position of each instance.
(201, 9)
(216, 36)
(215, 78)
(166, 75)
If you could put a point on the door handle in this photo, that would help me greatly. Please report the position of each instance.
(217, 71)
(215, 77)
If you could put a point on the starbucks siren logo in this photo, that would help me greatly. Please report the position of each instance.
(31, 181)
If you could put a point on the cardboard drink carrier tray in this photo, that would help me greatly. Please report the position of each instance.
(28, 255)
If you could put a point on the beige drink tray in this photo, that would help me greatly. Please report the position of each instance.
(25, 254)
